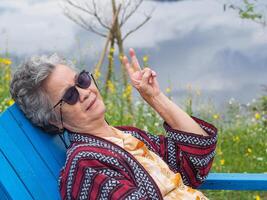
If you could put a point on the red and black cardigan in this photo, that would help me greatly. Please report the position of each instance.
(98, 169)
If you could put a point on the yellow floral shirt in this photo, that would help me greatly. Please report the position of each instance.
(169, 183)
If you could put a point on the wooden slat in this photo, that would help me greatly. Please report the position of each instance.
(43, 164)
(3, 193)
(22, 169)
(51, 148)
(11, 187)
(235, 181)
(28, 139)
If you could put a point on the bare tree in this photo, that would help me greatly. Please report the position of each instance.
(92, 16)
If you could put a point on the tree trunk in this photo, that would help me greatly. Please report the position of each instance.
(110, 64)
(117, 34)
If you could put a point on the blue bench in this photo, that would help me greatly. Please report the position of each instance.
(30, 161)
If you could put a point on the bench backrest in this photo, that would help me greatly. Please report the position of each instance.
(30, 160)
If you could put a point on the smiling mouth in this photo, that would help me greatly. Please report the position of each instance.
(92, 102)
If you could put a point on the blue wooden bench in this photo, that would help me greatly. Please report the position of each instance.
(30, 161)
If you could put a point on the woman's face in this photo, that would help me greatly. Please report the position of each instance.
(76, 116)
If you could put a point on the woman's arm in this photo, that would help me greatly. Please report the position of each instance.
(189, 144)
(145, 81)
(174, 115)
(189, 154)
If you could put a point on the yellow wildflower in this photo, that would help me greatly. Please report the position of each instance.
(216, 116)
(236, 139)
(112, 50)
(97, 73)
(111, 86)
(10, 102)
(168, 90)
(5, 61)
(121, 57)
(145, 59)
(220, 152)
(222, 161)
(110, 57)
(257, 197)
(7, 77)
(128, 91)
(249, 150)
(257, 116)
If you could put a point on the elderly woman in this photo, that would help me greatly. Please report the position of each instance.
(106, 162)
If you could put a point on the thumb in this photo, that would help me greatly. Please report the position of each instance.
(146, 77)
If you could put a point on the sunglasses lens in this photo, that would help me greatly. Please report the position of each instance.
(71, 96)
(84, 80)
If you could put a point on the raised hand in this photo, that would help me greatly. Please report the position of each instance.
(144, 80)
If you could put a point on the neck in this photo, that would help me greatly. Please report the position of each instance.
(98, 128)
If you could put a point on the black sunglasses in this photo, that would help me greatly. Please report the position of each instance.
(71, 95)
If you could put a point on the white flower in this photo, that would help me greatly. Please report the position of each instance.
(260, 158)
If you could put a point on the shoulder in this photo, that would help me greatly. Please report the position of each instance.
(86, 150)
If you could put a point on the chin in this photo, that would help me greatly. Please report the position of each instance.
(99, 108)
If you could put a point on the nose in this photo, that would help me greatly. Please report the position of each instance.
(83, 93)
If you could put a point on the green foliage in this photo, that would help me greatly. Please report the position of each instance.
(247, 10)
(5, 76)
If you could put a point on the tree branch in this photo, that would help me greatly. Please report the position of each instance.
(137, 5)
(98, 18)
(87, 11)
(137, 27)
(80, 21)
(124, 10)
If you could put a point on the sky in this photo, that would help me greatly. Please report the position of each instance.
(192, 43)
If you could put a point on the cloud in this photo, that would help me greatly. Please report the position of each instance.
(190, 41)
(35, 27)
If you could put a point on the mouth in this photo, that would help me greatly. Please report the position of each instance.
(90, 104)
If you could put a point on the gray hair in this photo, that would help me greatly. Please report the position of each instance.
(26, 89)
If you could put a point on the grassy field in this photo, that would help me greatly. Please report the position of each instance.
(242, 143)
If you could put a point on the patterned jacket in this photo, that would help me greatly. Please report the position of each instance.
(98, 169)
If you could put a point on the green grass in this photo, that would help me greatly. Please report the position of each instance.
(243, 149)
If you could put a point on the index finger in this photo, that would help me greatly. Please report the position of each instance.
(135, 62)
(127, 65)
